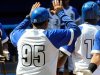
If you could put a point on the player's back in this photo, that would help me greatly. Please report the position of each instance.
(36, 53)
(82, 55)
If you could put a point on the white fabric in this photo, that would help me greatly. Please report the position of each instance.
(82, 54)
(48, 57)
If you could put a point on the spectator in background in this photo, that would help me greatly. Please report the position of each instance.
(4, 40)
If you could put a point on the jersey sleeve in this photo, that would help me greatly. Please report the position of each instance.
(68, 49)
(96, 46)
(18, 31)
(69, 23)
(4, 37)
(74, 32)
(61, 37)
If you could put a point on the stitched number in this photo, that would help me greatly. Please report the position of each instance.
(35, 55)
(26, 55)
(89, 44)
(39, 55)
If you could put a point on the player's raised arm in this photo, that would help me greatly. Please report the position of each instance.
(17, 32)
(26, 22)
(65, 20)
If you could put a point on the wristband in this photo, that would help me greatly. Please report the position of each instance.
(92, 67)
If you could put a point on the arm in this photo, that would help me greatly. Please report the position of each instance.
(95, 60)
(18, 31)
(62, 59)
(65, 20)
(67, 37)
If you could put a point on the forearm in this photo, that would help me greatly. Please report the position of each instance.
(61, 60)
(96, 59)
(65, 20)
(95, 62)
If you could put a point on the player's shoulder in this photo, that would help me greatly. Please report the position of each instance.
(82, 26)
(98, 34)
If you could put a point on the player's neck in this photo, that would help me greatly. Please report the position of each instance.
(93, 22)
(39, 27)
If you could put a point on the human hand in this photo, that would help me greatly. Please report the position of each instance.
(34, 6)
(57, 5)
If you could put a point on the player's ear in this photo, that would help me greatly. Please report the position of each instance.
(46, 23)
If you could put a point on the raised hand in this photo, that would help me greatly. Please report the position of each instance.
(57, 5)
(36, 5)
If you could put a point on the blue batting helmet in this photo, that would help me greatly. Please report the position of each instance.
(39, 15)
(90, 10)
(98, 2)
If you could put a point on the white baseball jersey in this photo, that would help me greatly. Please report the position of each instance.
(82, 54)
(38, 48)
(37, 55)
